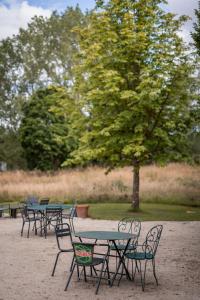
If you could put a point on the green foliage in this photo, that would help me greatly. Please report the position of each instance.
(45, 129)
(38, 56)
(134, 80)
(9, 77)
(194, 137)
(47, 48)
(196, 33)
(11, 150)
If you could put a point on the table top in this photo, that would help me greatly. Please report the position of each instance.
(52, 205)
(104, 235)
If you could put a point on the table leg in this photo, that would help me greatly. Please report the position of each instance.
(121, 261)
(13, 212)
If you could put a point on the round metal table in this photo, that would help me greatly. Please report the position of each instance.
(111, 236)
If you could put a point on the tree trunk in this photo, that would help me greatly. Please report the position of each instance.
(136, 185)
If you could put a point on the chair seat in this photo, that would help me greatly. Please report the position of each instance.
(122, 247)
(96, 261)
(139, 255)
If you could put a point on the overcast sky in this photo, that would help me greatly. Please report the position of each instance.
(17, 13)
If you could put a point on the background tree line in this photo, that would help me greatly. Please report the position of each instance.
(40, 56)
(116, 86)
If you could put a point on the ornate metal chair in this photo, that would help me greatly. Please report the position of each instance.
(63, 233)
(146, 252)
(84, 257)
(129, 225)
(28, 216)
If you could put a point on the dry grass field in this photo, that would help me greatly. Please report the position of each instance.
(177, 183)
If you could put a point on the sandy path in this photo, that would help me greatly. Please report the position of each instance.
(26, 265)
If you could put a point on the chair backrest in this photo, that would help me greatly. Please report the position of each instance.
(83, 253)
(26, 213)
(62, 230)
(130, 225)
(31, 200)
(44, 201)
(54, 214)
(73, 212)
(152, 239)
(54, 210)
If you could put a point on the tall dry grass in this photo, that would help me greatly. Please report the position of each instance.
(178, 182)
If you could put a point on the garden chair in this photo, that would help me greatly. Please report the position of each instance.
(52, 217)
(129, 225)
(84, 257)
(29, 217)
(69, 215)
(146, 252)
(63, 237)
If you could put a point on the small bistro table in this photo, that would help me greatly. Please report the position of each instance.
(111, 236)
(42, 209)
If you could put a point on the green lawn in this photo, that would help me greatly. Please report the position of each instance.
(149, 212)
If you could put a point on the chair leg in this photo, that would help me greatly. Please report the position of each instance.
(144, 273)
(94, 270)
(84, 271)
(154, 270)
(121, 275)
(72, 263)
(100, 276)
(78, 273)
(141, 278)
(28, 229)
(22, 228)
(70, 276)
(40, 227)
(35, 225)
(55, 264)
(108, 273)
(136, 268)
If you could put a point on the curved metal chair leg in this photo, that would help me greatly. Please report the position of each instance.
(141, 278)
(145, 266)
(136, 268)
(154, 271)
(55, 264)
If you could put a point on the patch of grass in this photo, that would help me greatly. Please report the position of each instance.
(147, 212)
